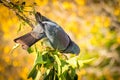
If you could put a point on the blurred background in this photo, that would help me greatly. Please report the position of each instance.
(93, 24)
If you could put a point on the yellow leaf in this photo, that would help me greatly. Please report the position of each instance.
(118, 39)
(14, 1)
(80, 2)
(6, 49)
(107, 22)
(82, 72)
(93, 41)
(7, 59)
(41, 2)
(94, 29)
(117, 12)
(88, 23)
(24, 72)
(66, 5)
(98, 21)
(15, 63)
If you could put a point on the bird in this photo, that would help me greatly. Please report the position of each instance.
(55, 34)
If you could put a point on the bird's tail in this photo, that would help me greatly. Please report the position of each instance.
(26, 40)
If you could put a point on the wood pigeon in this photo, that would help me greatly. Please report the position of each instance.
(56, 36)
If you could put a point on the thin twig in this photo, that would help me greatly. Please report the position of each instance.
(22, 16)
(25, 19)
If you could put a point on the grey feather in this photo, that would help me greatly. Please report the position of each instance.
(57, 36)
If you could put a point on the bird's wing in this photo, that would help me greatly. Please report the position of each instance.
(57, 36)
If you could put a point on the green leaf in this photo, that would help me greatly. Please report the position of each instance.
(38, 75)
(36, 50)
(19, 8)
(14, 47)
(39, 59)
(33, 73)
(52, 75)
(47, 71)
(57, 60)
(59, 64)
(48, 59)
(65, 68)
(72, 62)
(82, 62)
(68, 76)
(30, 50)
(19, 29)
(72, 72)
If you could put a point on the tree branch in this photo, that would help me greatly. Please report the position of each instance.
(20, 14)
